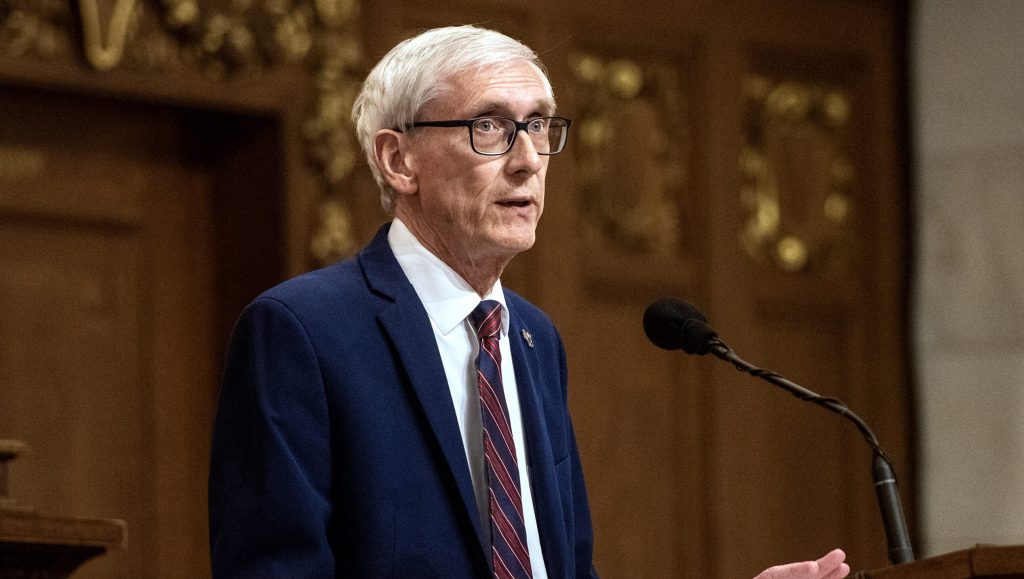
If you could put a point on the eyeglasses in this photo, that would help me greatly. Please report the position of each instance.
(495, 135)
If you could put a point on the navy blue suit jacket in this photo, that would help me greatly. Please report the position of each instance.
(336, 450)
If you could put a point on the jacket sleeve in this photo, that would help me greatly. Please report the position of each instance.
(270, 473)
(583, 533)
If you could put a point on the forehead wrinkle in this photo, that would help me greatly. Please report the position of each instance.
(543, 107)
(486, 95)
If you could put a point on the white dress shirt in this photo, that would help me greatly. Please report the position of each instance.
(449, 300)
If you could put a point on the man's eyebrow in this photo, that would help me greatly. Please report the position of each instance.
(544, 107)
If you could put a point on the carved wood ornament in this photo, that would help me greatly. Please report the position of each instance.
(223, 39)
(632, 151)
(797, 173)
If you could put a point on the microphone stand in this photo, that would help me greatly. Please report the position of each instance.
(886, 491)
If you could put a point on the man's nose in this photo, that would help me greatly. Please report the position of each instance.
(523, 155)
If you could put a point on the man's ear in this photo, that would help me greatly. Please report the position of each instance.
(391, 150)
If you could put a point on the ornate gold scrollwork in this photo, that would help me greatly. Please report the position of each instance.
(333, 238)
(631, 152)
(105, 55)
(224, 38)
(329, 131)
(797, 176)
(34, 27)
(240, 37)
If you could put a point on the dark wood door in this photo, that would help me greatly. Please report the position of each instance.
(122, 245)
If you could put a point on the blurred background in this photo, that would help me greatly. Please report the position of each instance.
(839, 184)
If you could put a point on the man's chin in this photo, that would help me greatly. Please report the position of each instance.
(520, 241)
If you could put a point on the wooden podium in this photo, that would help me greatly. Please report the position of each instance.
(992, 561)
(40, 547)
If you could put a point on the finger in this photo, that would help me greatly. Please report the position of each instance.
(832, 560)
(791, 571)
(831, 566)
(839, 572)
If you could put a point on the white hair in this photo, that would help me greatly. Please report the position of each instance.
(416, 73)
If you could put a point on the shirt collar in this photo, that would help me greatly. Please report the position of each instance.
(447, 297)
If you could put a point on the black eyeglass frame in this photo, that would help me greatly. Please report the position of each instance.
(520, 126)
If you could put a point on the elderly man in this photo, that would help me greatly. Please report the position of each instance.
(401, 414)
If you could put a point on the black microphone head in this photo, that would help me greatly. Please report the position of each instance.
(676, 325)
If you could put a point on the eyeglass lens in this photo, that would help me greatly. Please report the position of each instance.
(494, 135)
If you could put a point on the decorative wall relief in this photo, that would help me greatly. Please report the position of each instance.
(223, 39)
(797, 172)
(329, 132)
(105, 48)
(35, 28)
(631, 148)
(334, 236)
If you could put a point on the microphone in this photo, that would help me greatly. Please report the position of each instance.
(676, 325)
(672, 324)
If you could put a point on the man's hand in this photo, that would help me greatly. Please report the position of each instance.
(830, 566)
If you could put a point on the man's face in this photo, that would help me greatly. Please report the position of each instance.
(470, 208)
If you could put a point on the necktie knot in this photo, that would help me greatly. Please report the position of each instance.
(486, 318)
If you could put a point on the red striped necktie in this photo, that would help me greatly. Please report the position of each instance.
(509, 554)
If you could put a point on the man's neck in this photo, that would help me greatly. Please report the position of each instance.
(480, 272)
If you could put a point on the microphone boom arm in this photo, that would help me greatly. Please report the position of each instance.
(886, 491)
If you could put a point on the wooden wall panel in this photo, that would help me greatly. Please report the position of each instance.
(76, 383)
(693, 470)
(123, 231)
(73, 375)
(811, 459)
(636, 415)
(745, 476)
(635, 215)
(814, 322)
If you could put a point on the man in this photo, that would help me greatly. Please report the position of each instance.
(401, 414)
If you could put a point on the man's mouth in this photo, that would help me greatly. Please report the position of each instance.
(515, 203)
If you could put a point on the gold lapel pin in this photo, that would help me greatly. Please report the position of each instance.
(528, 337)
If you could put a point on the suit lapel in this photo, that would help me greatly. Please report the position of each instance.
(406, 324)
(543, 479)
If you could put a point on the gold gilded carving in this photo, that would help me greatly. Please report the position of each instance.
(222, 38)
(336, 13)
(19, 165)
(106, 54)
(797, 176)
(241, 37)
(333, 238)
(625, 78)
(34, 27)
(329, 132)
(791, 252)
(631, 152)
